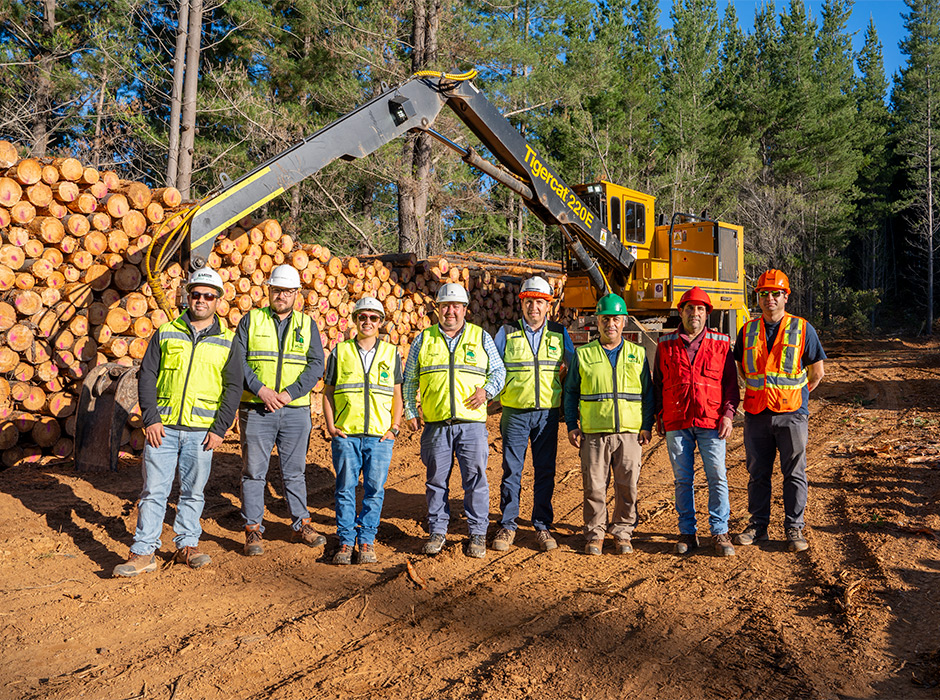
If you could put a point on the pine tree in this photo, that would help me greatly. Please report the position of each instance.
(916, 102)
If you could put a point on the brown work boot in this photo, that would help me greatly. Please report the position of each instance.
(343, 555)
(723, 545)
(136, 564)
(546, 542)
(503, 540)
(367, 553)
(192, 557)
(594, 548)
(622, 545)
(253, 547)
(308, 535)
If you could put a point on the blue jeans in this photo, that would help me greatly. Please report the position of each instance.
(681, 446)
(289, 429)
(517, 428)
(469, 443)
(182, 449)
(370, 456)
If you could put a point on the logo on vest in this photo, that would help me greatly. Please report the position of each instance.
(470, 356)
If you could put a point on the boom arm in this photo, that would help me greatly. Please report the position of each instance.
(414, 106)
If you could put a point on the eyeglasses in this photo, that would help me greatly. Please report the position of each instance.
(368, 318)
(283, 292)
(208, 296)
(763, 294)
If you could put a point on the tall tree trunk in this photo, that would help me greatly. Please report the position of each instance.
(930, 225)
(414, 188)
(43, 113)
(188, 116)
(176, 95)
(96, 143)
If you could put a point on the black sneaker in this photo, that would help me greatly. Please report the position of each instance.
(435, 543)
(685, 543)
(752, 534)
(476, 546)
(795, 540)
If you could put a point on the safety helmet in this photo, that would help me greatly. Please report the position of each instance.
(205, 277)
(773, 279)
(452, 293)
(536, 288)
(696, 296)
(284, 277)
(611, 305)
(369, 304)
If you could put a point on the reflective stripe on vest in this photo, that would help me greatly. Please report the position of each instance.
(184, 397)
(531, 382)
(611, 398)
(274, 368)
(774, 379)
(692, 392)
(363, 402)
(446, 379)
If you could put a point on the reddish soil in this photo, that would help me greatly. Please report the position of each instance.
(856, 616)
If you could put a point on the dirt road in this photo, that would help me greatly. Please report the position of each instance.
(856, 616)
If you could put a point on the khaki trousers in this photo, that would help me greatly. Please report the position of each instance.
(603, 455)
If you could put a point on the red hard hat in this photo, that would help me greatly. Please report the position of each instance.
(773, 279)
(698, 296)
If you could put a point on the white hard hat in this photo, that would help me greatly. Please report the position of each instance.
(285, 277)
(452, 293)
(206, 277)
(537, 287)
(369, 304)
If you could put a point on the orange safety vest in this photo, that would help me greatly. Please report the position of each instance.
(774, 379)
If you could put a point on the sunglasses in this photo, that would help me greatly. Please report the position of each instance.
(368, 317)
(776, 295)
(208, 296)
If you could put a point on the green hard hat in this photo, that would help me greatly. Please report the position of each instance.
(611, 305)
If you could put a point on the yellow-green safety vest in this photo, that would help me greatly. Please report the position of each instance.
(275, 369)
(363, 402)
(186, 397)
(611, 398)
(533, 380)
(446, 379)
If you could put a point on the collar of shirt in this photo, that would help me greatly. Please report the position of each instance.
(452, 342)
(534, 336)
(367, 356)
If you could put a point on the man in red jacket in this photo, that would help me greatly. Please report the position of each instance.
(696, 393)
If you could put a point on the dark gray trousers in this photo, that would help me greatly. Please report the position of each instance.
(766, 434)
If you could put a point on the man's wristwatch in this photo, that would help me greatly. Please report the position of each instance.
(394, 431)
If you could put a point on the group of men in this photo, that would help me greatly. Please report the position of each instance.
(266, 370)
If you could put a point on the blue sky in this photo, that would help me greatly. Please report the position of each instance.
(886, 13)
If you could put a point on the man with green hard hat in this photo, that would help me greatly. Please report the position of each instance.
(609, 413)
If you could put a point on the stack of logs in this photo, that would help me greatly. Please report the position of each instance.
(73, 289)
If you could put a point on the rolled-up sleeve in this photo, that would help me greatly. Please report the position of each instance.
(410, 385)
(496, 371)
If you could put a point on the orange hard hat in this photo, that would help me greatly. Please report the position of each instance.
(698, 296)
(773, 279)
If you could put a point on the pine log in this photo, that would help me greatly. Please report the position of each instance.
(127, 277)
(116, 204)
(50, 174)
(8, 154)
(10, 191)
(137, 193)
(22, 212)
(134, 224)
(40, 194)
(99, 220)
(85, 203)
(98, 277)
(69, 168)
(26, 172)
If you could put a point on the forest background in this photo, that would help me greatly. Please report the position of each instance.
(785, 129)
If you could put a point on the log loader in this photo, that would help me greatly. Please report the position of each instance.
(610, 241)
